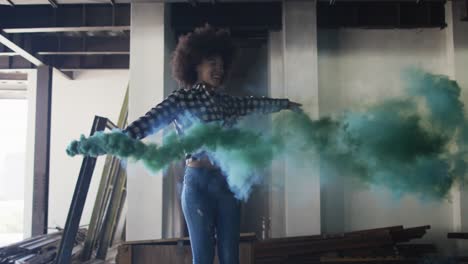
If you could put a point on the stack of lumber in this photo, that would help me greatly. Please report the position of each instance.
(382, 245)
(38, 250)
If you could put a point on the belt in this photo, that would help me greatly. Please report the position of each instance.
(200, 163)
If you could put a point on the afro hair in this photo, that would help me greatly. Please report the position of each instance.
(192, 48)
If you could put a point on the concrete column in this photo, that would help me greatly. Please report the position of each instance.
(30, 143)
(40, 190)
(144, 216)
(302, 182)
(460, 45)
(276, 90)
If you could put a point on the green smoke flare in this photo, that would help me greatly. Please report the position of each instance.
(414, 144)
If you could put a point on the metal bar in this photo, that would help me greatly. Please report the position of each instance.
(112, 213)
(24, 53)
(42, 151)
(14, 47)
(29, 245)
(78, 200)
(98, 211)
(85, 69)
(11, 3)
(102, 205)
(114, 168)
(82, 53)
(111, 125)
(42, 243)
(119, 208)
(5, 54)
(53, 3)
(65, 29)
(113, 12)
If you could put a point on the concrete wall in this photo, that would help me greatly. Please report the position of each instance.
(358, 67)
(74, 105)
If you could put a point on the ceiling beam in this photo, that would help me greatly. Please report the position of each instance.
(19, 94)
(53, 3)
(465, 18)
(87, 69)
(8, 54)
(23, 53)
(13, 76)
(101, 13)
(256, 16)
(6, 87)
(64, 29)
(15, 48)
(25, 70)
(381, 14)
(82, 53)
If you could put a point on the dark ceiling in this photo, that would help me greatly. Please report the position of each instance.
(97, 36)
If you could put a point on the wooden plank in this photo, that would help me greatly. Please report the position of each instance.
(360, 260)
(243, 237)
(415, 250)
(407, 234)
(124, 254)
(330, 236)
(174, 253)
(458, 235)
(314, 247)
(143, 254)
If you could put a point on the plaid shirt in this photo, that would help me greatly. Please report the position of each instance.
(186, 106)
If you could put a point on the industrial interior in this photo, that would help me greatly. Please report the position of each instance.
(76, 67)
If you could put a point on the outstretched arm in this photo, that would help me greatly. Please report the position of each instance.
(263, 105)
(158, 117)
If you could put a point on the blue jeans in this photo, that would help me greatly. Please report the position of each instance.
(210, 208)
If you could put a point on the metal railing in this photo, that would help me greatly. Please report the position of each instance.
(79, 197)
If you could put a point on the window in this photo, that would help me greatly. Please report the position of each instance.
(13, 124)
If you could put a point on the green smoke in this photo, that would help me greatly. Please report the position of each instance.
(414, 144)
(247, 150)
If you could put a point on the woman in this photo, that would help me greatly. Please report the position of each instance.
(200, 63)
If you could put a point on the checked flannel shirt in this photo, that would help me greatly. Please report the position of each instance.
(184, 106)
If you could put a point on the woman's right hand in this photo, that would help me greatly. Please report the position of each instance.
(296, 107)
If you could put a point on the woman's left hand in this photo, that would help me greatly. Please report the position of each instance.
(296, 107)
